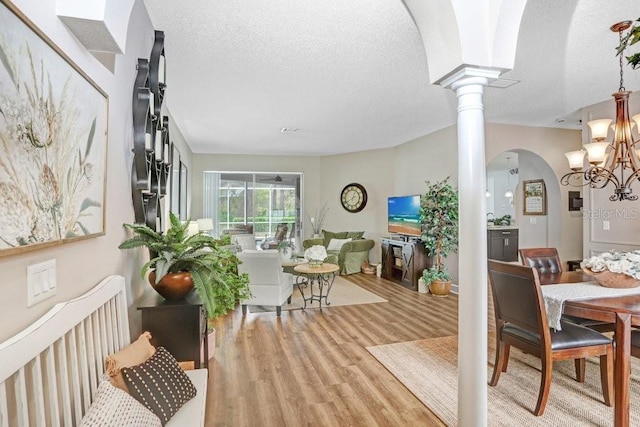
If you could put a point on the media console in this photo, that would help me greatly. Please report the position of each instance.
(403, 261)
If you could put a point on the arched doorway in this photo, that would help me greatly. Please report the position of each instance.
(524, 165)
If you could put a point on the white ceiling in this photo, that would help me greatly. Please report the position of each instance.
(352, 75)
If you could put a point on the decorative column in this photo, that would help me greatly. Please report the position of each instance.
(472, 272)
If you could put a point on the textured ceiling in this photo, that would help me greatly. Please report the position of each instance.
(353, 75)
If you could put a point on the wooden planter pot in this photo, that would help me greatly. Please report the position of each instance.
(173, 286)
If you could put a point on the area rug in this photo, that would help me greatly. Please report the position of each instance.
(343, 292)
(428, 368)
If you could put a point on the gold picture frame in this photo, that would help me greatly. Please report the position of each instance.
(53, 141)
(534, 197)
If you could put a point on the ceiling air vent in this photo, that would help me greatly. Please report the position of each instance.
(503, 83)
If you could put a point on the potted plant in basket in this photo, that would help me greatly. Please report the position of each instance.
(439, 217)
(199, 261)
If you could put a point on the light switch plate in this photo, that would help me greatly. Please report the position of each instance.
(41, 281)
(605, 225)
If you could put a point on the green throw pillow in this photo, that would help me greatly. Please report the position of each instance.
(355, 235)
(328, 235)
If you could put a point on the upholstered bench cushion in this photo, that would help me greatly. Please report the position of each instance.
(192, 412)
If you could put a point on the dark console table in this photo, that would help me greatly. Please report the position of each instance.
(178, 326)
(404, 261)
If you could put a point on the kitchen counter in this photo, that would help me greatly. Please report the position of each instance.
(502, 227)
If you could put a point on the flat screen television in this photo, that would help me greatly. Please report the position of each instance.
(403, 215)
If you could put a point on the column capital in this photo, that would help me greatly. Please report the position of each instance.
(469, 75)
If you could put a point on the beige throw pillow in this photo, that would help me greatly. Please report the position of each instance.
(135, 353)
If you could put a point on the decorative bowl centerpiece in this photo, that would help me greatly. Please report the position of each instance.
(315, 255)
(614, 269)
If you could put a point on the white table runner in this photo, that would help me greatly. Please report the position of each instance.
(556, 295)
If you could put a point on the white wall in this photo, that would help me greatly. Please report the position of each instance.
(81, 265)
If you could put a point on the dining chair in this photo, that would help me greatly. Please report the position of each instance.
(635, 343)
(521, 322)
(547, 261)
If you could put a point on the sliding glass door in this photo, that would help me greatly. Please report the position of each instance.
(266, 202)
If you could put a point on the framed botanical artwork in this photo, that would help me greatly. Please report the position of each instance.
(535, 197)
(53, 141)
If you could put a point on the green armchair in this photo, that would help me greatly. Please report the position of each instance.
(350, 256)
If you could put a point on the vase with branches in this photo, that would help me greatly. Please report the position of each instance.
(317, 220)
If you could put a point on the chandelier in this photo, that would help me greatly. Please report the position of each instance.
(615, 162)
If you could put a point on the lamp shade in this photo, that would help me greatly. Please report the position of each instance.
(205, 224)
(193, 228)
(596, 151)
(576, 159)
(636, 119)
(599, 128)
(508, 194)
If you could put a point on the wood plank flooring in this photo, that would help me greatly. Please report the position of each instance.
(312, 368)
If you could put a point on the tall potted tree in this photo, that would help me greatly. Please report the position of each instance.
(439, 217)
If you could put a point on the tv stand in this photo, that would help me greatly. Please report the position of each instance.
(403, 261)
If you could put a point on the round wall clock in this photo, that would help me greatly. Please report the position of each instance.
(353, 197)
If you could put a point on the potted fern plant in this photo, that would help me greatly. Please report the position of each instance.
(439, 217)
(180, 262)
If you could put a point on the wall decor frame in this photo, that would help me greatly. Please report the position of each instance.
(53, 141)
(151, 165)
(535, 197)
(184, 191)
(175, 181)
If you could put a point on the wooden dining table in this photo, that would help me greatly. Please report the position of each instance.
(624, 311)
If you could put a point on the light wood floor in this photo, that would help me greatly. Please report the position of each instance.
(311, 368)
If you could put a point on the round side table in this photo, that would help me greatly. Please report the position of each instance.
(322, 276)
